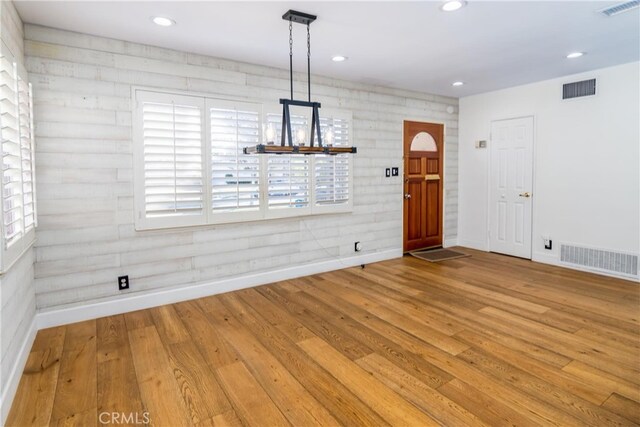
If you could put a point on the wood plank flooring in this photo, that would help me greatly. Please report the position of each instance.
(488, 340)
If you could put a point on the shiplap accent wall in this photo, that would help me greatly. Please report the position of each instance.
(12, 29)
(86, 236)
(18, 324)
(17, 290)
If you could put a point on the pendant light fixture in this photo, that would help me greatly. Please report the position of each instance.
(286, 137)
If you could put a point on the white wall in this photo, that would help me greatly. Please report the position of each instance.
(86, 237)
(18, 326)
(586, 161)
(17, 290)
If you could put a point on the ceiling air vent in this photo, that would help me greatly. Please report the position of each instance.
(578, 89)
(620, 7)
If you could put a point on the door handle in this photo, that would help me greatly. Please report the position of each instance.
(407, 196)
(526, 194)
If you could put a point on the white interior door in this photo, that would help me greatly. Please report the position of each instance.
(511, 181)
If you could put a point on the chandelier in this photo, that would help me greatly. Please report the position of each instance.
(286, 146)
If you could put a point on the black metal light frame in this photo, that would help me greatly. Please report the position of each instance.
(288, 148)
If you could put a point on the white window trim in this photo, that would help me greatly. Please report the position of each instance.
(141, 223)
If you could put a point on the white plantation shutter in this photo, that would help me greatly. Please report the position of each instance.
(17, 147)
(288, 176)
(235, 176)
(11, 154)
(27, 147)
(333, 173)
(173, 176)
(173, 159)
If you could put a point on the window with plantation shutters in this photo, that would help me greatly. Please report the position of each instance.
(11, 155)
(172, 144)
(190, 167)
(288, 182)
(27, 149)
(235, 176)
(333, 173)
(17, 146)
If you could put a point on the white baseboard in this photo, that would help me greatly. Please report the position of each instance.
(450, 242)
(473, 244)
(545, 258)
(11, 384)
(133, 302)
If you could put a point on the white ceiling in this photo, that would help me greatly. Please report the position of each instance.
(413, 45)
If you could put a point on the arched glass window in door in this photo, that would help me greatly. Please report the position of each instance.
(423, 141)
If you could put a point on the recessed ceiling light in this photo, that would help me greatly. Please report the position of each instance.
(457, 83)
(452, 5)
(162, 21)
(338, 58)
(575, 55)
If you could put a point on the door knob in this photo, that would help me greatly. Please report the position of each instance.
(526, 194)
(407, 196)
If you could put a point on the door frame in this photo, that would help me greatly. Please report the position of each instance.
(533, 177)
(444, 168)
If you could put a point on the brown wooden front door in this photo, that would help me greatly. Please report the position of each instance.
(423, 155)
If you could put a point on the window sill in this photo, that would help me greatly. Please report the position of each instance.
(291, 215)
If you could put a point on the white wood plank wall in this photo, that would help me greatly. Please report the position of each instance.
(17, 290)
(86, 238)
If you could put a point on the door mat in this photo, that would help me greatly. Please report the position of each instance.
(437, 255)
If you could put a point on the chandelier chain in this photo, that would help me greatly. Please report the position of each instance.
(290, 38)
(291, 56)
(309, 62)
(308, 42)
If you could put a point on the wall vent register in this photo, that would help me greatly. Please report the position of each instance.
(619, 8)
(579, 89)
(617, 263)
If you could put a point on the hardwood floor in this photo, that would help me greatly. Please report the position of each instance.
(487, 340)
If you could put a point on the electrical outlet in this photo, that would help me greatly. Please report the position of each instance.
(394, 171)
(123, 282)
(387, 172)
(357, 246)
(548, 244)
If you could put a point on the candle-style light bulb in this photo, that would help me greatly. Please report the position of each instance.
(301, 135)
(270, 133)
(328, 138)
